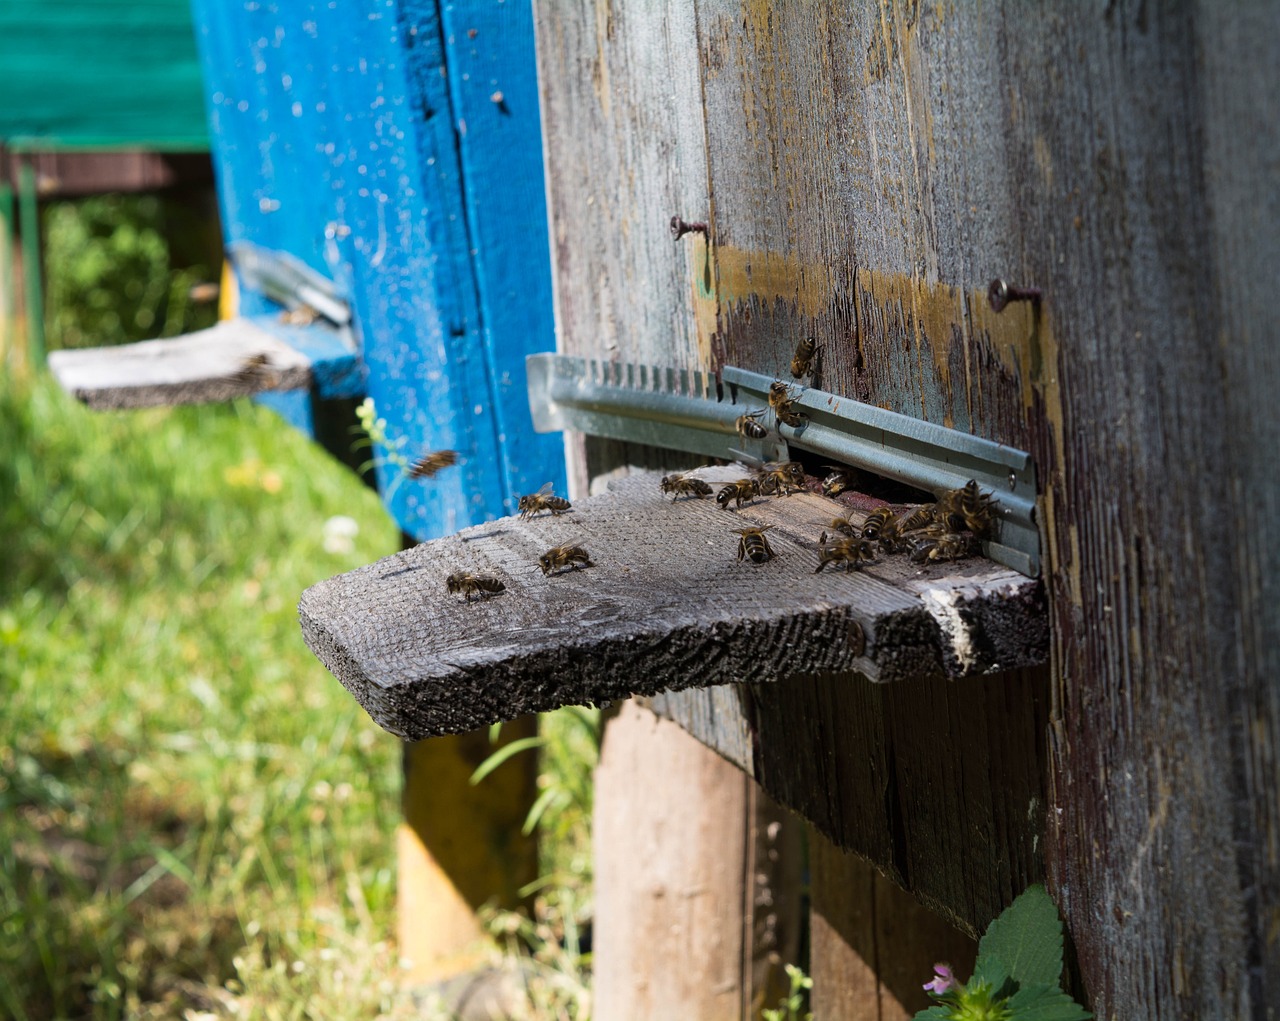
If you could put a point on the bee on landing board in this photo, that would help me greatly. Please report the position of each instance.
(428, 464)
(742, 491)
(802, 361)
(921, 517)
(748, 426)
(875, 522)
(840, 526)
(754, 545)
(473, 584)
(559, 557)
(682, 485)
(943, 546)
(543, 500)
(968, 506)
(852, 552)
(785, 477)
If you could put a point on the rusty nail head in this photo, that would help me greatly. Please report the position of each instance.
(1000, 293)
(679, 228)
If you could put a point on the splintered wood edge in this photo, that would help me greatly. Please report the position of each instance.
(198, 368)
(666, 606)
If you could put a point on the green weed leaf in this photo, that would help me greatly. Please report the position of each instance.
(502, 754)
(1024, 943)
(1044, 1003)
(938, 1012)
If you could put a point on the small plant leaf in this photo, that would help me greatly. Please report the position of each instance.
(938, 1012)
(507, 751)
(1044, 1003)
(1026, 940)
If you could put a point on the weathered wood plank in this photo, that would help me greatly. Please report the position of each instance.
(211, 365)
(667, 605)
(707, 877)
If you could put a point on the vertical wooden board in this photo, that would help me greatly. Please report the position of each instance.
(1240, 103)
(941, 785)
(873, 946)
(622, 117)
(696, 906)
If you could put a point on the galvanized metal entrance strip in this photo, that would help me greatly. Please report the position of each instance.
(676, 409)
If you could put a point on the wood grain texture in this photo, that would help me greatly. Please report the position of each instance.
(870, 169)
(666, 605)
(697, 904)
(874, 945)
(199, 368)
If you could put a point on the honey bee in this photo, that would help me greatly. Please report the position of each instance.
(303, 315)
(802, 361)
(681, 484)
(754, 545)
(567, 555)
(473, 584)
(254, 370)
(781, 401)
(749, 428)
(742, 491)
(921, 517)
(876, 521)
(428, 464)
(945, 546)
(852, 552)
(976, 507)
(543, 500)
(838, 481)
(783, 477)
(840, 526)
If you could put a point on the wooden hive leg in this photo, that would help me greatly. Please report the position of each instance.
(872, 944)
(697, 879)
(460, 846)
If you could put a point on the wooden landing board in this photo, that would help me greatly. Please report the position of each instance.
(667, 605)
(198, 368)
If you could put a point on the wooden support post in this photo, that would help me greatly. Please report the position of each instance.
(460, 846)
(697, 879)
(872, 944)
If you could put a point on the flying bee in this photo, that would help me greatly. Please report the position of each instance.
(838, 481)
(876, 522)
(802, 361)
(749, 427)
(754, 545)
(742, 491)
(254, 370)
(428, 464)
(852, 552)
(781, 401)
(921, 517)
(682, 484)
(543, 500)
(559, 557)
(473, 584)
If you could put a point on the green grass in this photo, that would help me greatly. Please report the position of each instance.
(196, 820)
(192, 810)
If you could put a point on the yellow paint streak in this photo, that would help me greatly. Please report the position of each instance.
(770, 276)
(706, 307)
